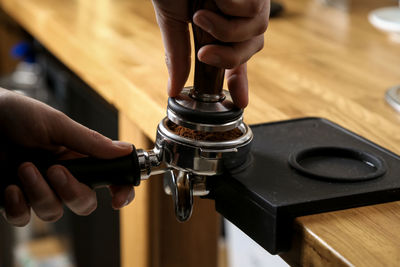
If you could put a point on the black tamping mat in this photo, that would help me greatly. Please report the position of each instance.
(302, 167)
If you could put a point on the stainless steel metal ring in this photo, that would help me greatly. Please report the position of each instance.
(202, 157)
(229, 144)
(202, 126)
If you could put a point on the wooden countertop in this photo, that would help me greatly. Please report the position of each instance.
(318, 61)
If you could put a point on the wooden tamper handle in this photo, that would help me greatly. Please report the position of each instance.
(208, 80)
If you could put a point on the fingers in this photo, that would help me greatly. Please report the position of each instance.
(17, 211)
(49, 129)
(176, 39)
(242, 8)
(231, 29)
(66, 132)
(230, 56)
(238, 85)
(121, 195)
(45, 203)
(41, 197)
(80, 198)
(241, 28)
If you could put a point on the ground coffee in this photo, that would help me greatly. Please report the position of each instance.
(204, 136)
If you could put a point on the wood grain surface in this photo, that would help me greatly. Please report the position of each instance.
(318, 60)
(135, 219)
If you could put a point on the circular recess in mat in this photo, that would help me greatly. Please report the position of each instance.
(337, 164)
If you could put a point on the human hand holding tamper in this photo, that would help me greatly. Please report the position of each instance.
(239, 24)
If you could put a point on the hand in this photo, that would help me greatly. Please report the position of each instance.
(242, 29)
(29, 125)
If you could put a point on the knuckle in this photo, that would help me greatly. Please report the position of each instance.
(56, 118)
(95, 139)
(226, 32)
(52, 124)
(229, 36)
(262, 28)
(95, 136)
(255, 7)
(58, 114)
(233, 62)
(261, 45)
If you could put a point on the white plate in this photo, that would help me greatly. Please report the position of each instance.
(386, 19)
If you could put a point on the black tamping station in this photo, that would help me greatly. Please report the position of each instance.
(260, 179)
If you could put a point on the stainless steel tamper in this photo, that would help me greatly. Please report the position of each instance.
(202, 137)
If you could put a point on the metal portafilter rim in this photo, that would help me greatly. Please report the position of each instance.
(245, 138)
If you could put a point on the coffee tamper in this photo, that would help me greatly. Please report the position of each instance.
(202, 137)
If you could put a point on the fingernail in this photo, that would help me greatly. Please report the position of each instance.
(131, 196)
(28, 175)
(204, 23)
(58, 176)
(122, 144)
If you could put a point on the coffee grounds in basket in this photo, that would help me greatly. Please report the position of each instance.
(204, 136)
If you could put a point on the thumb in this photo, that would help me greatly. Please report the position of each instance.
(66, 132)
(176, 39)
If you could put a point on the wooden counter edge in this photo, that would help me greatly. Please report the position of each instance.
(308, 249)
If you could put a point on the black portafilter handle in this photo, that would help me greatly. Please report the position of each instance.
(91, 171)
